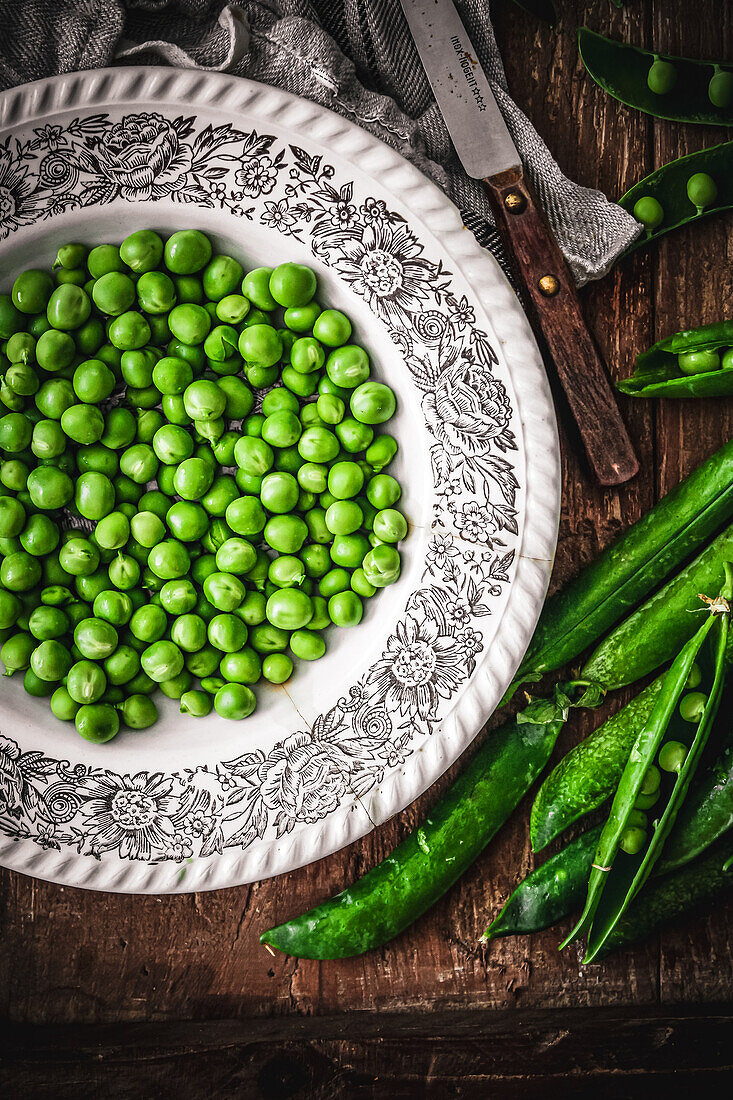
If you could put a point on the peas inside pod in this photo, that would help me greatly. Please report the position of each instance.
(193, 479)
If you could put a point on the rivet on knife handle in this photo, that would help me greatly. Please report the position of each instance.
(541, 267)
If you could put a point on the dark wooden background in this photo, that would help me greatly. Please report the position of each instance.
(162, 996)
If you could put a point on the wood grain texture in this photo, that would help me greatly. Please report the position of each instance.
(560, 326)
(73, 957)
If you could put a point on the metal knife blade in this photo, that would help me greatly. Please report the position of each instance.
(461, 89)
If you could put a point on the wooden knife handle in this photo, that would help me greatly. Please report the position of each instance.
(541, 268)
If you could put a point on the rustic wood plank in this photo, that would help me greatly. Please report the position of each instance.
(470, 1053)
(74, 956)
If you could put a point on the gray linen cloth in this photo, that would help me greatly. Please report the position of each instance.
(354, 56)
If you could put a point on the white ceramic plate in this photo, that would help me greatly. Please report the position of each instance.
(353, 738)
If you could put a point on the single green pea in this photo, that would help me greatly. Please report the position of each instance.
(114, 293)
(285, 533)
(12, 517)
(90, 337)
(224, 591)
(95, 495)
(16, 652)
(343, 517)
(96, 458)
(169, 559)
(193, 478)
(95, 638)
(196, 703)
(234, 701)
(256, 287)
(698, 362)
(632, 840)
(162, 660)
(345, 609)
(68, 307)
(31, 291)
(307, 355)
(14, 474)
(156, 292)
(40, 536)
(124, 571)
(261, 345)
(318, 445)
(673, 754)
(119, 429)
(50, 660)
(720, 89)
(187, 252)
(649, 212)
(332, 327)
(21, 348)
(372, 403)
(97, 722)
(702, 191)
(349, 550)
(172, 375)
(662, 77)
(348, 366)
(390, 525)
(149, 623)
(138, 712)
(307, 645)
(227, 633)
(63, 706)
(122, 665)
(235, 555)
(20, 572)
(292, 284)
(360, 584)
(189, 633)
(104, 258)
(692, 706)
(113, 606)
(142, 251)
(277, 668)
(287, 571)
(10, 609)
(86, 682)
(45, 623)
(204, 400)
(336, 580)
(302, 385)
(232, 309)
(382, 565)
(35, 686)
(189, 323)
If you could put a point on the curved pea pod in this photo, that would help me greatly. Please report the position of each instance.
(658, 373)
(697, 87)
(652, 634)
(632, 567)
(590, 772)
(668, 185)
(621, 868)
(549, 892)
(665, 899)
(424, 865)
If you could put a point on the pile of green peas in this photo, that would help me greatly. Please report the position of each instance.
(192, 489)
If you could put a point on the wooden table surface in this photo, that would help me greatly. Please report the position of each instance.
(162, 996)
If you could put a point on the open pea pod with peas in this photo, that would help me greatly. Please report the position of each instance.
(693, 363)
(670, 745)
(682, 192)
(679, 88)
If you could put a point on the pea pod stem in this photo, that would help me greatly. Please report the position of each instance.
(427, 863)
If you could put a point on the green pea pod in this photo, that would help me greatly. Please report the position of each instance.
(632, 567)
(617, 876)
(550, 892)
(652, 634)
(706, 815)
(668, 186)
(658, 373)
(543, 9)
(665, 899)
(427, 863)
(623, 71)
(590, 772)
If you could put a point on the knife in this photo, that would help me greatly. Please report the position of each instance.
(487, 152)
